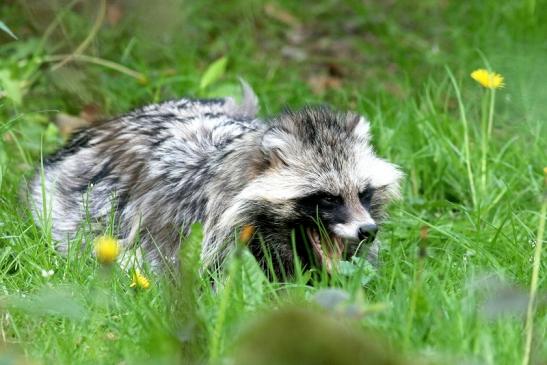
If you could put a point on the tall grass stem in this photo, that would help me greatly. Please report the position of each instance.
(215, 348)
(529, 327)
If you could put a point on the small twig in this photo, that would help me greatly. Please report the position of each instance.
(56, 21)
(92, 33)
(101, 62)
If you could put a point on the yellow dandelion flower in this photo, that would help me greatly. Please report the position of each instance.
(106, 249)
(246, 233)
(139, 281)
(489, 80)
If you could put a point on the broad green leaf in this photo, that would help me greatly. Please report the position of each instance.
(222, 90)
(213, 72)
(10, 87)
(253, 280)
(52, 133)
(190, 254)
(47, 302)
(5, 28)
(357, 266)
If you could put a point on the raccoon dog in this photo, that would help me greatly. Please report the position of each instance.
(307, 182)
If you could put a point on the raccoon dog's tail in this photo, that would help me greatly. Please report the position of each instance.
(247, 108)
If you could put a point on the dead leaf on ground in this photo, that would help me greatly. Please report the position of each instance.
(91, 112)
(282, 15)
(298, 36)
(114, 13)
(319, 84)
(67, 124)
(294, 53)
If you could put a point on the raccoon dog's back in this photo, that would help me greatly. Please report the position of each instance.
(153, 170)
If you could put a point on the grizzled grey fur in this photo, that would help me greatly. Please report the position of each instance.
(165, 166)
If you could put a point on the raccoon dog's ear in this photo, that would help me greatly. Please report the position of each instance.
(276, 145)
(358, 125)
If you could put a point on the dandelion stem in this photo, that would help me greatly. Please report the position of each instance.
(486, 136)
(465, 138)
(529, 327)
(491, 112)
(484, 143)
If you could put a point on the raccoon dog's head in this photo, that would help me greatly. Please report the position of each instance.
(322, 189)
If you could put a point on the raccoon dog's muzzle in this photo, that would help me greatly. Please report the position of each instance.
(330, 247)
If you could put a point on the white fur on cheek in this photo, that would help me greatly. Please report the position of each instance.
(385, 173)
(376, 171)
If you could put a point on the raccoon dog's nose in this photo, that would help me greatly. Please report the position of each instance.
(367, 232)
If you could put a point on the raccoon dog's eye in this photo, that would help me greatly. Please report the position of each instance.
(365, 196)
(329, 199)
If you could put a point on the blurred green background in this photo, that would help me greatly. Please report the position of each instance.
(369, 49)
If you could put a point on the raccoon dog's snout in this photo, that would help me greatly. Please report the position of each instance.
(367, 232)
(159, 169)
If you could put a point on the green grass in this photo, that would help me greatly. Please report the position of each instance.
(458, 250)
